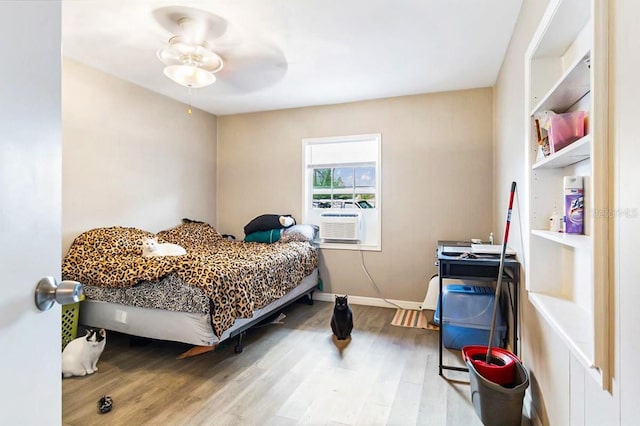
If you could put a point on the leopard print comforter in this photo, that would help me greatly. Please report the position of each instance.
(239, 277)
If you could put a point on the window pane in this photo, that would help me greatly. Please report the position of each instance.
(321, 201)
(343, 197)
(366, 201)
(343, 177)
(365, 176)
(322, 178)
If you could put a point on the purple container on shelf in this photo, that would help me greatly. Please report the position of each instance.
(574, 204)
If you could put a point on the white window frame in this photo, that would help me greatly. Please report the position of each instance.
(371, 218)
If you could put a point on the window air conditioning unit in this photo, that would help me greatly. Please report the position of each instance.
(340, 226)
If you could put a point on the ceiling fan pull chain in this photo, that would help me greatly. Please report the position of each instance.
(189, 110)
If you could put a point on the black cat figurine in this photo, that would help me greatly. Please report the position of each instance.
(342, 319)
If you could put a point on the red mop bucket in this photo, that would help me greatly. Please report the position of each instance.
(493, 403)
(502, 366)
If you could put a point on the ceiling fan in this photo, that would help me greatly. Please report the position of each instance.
(200, 51)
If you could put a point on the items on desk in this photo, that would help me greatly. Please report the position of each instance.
(491, 249)
(469, 255)
(456, 250)
(476, 251)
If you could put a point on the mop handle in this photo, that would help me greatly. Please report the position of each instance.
(500, 271)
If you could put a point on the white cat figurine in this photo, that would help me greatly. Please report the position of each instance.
(151, 247)
(80, 356)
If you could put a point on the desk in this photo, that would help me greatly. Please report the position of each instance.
(450, 265)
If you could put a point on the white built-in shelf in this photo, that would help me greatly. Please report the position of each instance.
(566, 274)
(570, 88)
(566, 19)
(574, 153)
(573, 324)
(571, 321)
(571, 240)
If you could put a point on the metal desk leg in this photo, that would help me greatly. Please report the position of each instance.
(441, 322)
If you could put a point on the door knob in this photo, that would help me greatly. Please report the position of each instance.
(48, 291)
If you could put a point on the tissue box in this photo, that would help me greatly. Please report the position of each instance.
(565, 129)
(467, 320)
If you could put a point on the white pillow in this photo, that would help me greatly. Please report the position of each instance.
(308, 231)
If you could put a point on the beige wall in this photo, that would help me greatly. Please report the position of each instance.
(436, 179)
(563, 393)
(131, 157)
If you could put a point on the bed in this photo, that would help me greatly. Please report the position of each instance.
(216, 291)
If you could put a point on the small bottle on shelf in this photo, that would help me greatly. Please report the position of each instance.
(556, 222)
(491, 238)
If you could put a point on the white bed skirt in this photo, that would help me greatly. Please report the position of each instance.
(183, 327)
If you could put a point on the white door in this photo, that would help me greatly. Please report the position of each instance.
(30, 217)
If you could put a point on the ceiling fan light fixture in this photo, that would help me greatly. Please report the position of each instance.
(190, 64)
(189, 75)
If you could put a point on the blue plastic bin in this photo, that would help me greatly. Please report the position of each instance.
(467, 321)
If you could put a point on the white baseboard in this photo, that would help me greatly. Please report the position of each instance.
(369, 301)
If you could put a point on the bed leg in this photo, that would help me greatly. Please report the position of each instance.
(310, 298)
(238, 348)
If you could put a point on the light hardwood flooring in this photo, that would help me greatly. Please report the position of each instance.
(288, 374)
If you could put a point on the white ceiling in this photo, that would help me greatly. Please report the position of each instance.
(292, 53)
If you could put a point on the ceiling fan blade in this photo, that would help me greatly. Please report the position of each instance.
(250, 67)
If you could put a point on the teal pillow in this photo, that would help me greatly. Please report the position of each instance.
(270, 236)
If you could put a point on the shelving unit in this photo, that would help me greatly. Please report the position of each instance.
(574, 153)
(569, 89)
(571, 240)
(567, 274)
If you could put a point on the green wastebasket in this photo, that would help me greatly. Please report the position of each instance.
(70, 316)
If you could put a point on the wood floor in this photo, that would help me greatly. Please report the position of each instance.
(288, 374)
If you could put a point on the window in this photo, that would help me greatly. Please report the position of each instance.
(341, 187)
(342, 179)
